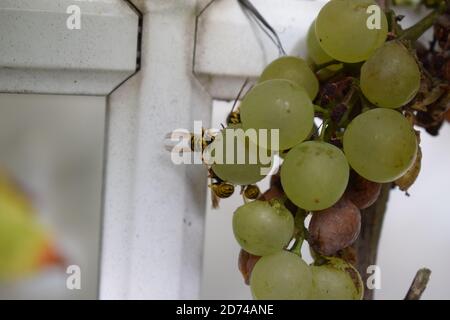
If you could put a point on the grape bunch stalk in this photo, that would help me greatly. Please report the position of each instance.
(370, 87)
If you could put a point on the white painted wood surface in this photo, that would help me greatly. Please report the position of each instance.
(154, 210)
(231, 47)
(40, 54)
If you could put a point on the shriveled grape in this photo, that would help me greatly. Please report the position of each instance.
(408, 179)
(272, 193)
(246, 264)
(335, 228)
(362, 192)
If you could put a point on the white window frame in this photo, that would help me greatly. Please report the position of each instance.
(153, 211)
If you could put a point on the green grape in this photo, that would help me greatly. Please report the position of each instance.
(380, 145)
(336, 280)
(295, 70)
(247, 171)
(315, 51)
(314, 175)
(263, 228)
(279, 104)
(281, 276)
(391, 77)
(317, 56)
(342, 28)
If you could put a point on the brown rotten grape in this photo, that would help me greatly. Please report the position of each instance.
(362, 192)
(335, 228)
(276, 192)
(246, 263)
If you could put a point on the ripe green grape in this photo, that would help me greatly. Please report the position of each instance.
(336, 280)
(380, 145)
(314, 175)
(248, 171)
(318, 56)
(281, 276)
(279, 104)
(293, 69)
(391, 77)
(342, 28)
(315, 51)
(262, 227)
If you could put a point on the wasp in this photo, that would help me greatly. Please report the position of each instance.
(234, 117)
(252, 192)
(219, 189)
(189, 142)
(222, 189)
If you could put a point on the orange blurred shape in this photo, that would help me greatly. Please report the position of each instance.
(49, 256)
(447, 115)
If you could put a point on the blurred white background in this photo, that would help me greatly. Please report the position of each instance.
(53, 145)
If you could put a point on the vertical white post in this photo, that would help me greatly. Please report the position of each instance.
(154, 210)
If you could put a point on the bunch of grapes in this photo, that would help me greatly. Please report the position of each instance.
(365, 83)
(433, 101)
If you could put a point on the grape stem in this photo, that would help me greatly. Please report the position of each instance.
(319, 67)
(414, 32)
(319, 109)
(366, 245)
(324, 129)
(384, 4)
(419, 284)
(301, 233)
(350, 100)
